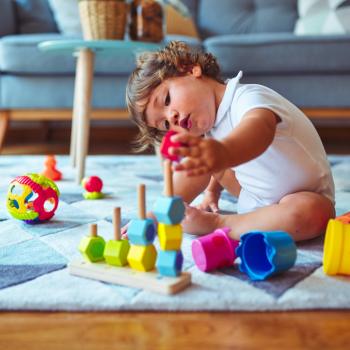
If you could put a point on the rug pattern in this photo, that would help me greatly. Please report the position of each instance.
(33, 258)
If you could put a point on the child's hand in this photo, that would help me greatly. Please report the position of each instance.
(202, 155)
(124, 231)
(210, 201)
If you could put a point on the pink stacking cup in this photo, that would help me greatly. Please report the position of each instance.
(214, 250)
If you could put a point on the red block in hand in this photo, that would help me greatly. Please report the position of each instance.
(166, 144)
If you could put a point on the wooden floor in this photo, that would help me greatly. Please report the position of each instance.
(166, 331)
(175, 331)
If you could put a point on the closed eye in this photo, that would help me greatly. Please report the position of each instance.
(166, 124)
(167, 99)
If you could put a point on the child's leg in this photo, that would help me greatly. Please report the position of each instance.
(189, 187)
(304, 215)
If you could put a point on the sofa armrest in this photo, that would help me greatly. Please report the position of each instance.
(7, 17)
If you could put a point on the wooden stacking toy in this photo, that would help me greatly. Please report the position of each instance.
(92, 246)
(106, 262)
(169, 211)
(215, 250)
(117, 249)
(141, 233)
(50, 170)
(336, 257)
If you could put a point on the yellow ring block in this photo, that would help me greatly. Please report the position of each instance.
(336, 257)
(170, 236)
(142, 257)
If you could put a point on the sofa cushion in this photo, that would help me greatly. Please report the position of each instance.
(245, 16)
(307, 90)
(19, 54)
(281, 53)
(35, 16)
(31, 92)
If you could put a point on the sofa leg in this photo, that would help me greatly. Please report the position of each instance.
(4, 120)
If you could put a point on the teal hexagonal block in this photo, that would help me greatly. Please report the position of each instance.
(116, 252)
(169, 262)
(141, 232)
(92, 248)
(169, 210)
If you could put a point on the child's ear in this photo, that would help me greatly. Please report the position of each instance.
(197, 71)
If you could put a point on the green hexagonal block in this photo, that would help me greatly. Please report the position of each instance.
(116, 252)
(92, 248)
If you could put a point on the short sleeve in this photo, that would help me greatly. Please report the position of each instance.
(252, 96)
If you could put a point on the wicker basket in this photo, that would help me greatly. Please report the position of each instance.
(103, 19)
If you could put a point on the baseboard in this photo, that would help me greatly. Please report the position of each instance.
(117, 139)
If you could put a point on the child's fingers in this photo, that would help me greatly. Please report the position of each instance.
(185, 137)
(214, 208)
(198, 171)
(192, 151)
(191, 169)
(188, 164)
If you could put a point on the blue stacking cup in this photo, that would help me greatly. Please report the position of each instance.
(264, 254)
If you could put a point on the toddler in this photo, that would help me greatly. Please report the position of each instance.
(245, 138)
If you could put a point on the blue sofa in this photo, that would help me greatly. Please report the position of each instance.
(255, 36)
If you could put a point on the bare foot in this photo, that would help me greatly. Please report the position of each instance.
(199, 222)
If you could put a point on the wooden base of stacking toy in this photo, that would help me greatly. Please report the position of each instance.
(126, 276)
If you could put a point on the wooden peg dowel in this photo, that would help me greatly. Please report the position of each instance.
(93, 230)
(116, 223)
(168, 179)
(142, 201)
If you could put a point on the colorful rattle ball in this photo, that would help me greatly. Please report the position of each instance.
(93, 186)
(32, 198)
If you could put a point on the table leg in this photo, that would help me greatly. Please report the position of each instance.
(75, 114)
(4, 120)
(83, 100)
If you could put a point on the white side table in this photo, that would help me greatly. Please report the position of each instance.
(85, 50)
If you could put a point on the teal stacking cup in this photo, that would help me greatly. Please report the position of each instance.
(264, 254)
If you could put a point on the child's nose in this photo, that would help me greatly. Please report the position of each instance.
(174, 118)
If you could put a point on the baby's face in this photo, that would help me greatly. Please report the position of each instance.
(186, 101)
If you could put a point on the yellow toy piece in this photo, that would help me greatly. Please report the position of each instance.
(336, 257)
(170, 236)
(142, 257)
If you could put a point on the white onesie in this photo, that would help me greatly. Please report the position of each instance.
(295, 161)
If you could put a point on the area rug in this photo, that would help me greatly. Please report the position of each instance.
(33, 258)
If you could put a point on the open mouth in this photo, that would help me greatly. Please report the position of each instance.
(186, 123)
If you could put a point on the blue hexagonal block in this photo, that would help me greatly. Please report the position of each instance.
(169, 210)
(141, 232)
(169, 262)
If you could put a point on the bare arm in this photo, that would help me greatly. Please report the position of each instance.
(248, 140)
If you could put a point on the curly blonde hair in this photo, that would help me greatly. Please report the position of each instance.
(152, 68)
